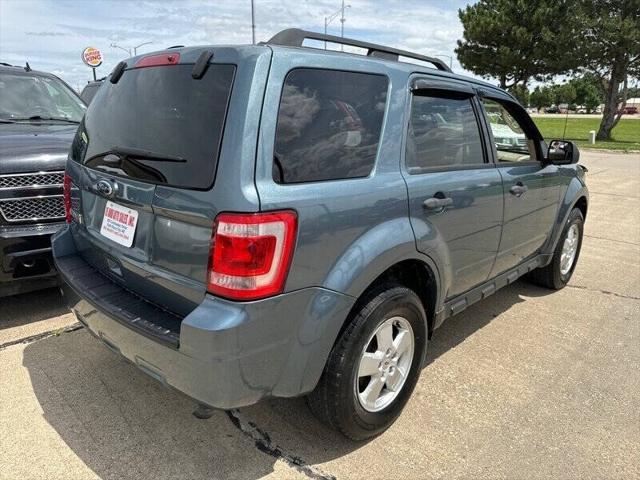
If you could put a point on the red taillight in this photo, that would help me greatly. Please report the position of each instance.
(66, 192)
(251, 254)
(158, 60)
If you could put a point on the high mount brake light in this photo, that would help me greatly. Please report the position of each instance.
(251, 253)
(158, 60)
(66, 195)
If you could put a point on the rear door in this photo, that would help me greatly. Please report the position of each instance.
(531, 187)
(455, 193)
(146, 157)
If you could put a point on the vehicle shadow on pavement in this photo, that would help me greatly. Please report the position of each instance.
(456, 329)
(40, 305)
(124, 425)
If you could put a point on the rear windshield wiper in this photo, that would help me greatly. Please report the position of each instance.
(147, 154)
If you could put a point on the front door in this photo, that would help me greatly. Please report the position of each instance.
(531, 187)
(455, 193)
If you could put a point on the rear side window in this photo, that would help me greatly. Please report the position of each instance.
(443, 132)
(329, 125)
(158, 124)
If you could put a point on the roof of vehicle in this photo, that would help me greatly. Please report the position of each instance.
(17, 70)
(376, 53)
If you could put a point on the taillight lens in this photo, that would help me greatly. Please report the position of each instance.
(251, 254)
(66, 192)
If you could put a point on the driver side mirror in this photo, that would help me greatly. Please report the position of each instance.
(562, 152)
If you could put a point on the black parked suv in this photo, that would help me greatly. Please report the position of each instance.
(39, 115)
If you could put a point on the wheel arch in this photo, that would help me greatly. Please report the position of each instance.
(413, 273)
(576, 196)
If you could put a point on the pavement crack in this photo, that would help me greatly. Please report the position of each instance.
(613, 240)
(605, 292)
(612, 194)
(34, 338)
(263, 443)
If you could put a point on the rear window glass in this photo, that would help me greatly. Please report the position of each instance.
(158, 124)
(329, 125)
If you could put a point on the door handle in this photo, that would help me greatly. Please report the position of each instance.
(437, 202)
(518, 189)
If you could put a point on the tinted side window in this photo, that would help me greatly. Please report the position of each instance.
(512, 143)
(443, 132)
(329, 125)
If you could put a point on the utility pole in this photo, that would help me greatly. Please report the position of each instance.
(253, 23)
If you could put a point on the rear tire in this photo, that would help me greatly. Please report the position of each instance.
(558, 273)
(390, 330)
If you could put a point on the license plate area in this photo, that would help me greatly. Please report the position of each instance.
(119, 223)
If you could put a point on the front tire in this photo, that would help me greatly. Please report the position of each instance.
(374, 365)
(558, 273)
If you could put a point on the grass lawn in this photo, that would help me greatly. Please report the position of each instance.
(626, 135)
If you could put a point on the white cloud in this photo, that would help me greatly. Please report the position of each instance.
(51, 34)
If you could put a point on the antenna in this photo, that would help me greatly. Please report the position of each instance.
(566, 119)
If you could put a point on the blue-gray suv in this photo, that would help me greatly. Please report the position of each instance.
(279, 220)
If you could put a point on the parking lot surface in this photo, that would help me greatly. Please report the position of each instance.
(527, 384)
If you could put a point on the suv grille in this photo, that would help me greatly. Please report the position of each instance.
(33, 208)
(27, 180)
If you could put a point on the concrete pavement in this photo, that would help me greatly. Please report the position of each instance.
(527, 384)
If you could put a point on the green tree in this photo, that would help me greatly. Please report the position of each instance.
(516, 40)
(610, 50)
(521, 92)
(589, 91)
(563, 93)
(541, 97)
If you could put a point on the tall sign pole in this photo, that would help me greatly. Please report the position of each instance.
(92, 57)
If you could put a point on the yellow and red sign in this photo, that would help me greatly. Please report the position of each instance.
(92, 57)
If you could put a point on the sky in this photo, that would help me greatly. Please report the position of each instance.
(51, 34)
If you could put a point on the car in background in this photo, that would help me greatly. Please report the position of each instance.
(90, 90)
(628, 110)
(39, 115)
(552, 109)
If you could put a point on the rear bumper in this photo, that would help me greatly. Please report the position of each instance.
(227, 354)
(25, 256)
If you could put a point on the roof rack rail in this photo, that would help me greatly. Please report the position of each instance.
(294, 37)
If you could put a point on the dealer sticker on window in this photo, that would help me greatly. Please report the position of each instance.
(119, 223)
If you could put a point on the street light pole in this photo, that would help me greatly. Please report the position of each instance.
(342, 26)
(446, 56)
(128, 50)
(332, 17)
(135, 49)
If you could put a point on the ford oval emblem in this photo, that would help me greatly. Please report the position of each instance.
(105, 188)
